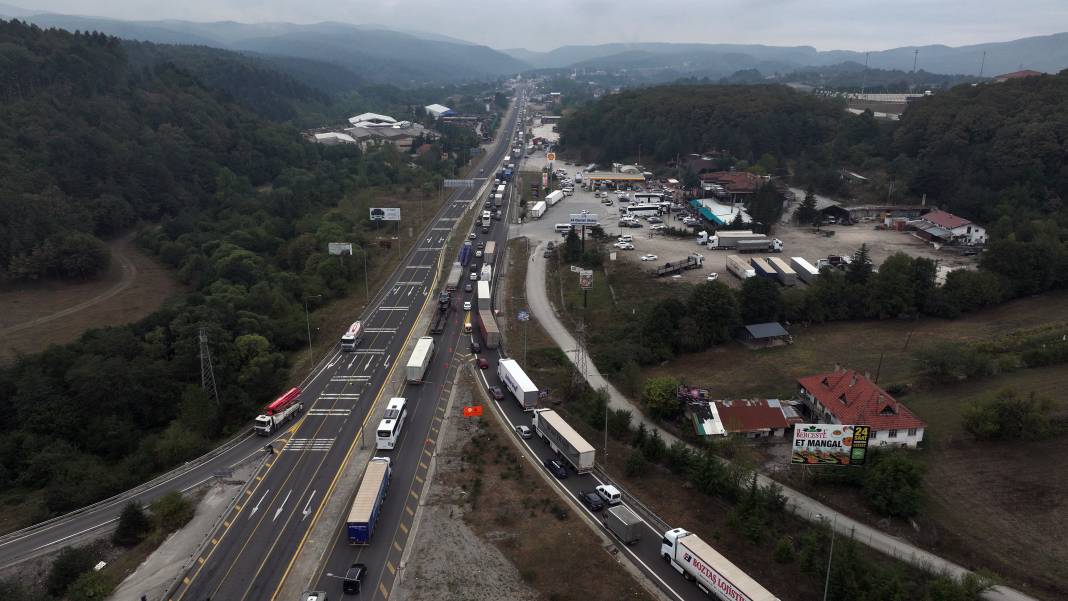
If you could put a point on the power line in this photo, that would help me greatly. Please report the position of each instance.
(207, 372)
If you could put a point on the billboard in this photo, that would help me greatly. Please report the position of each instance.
(585, 279)
(830, 444)
(340, 248)
(385, 214)
(587, 219)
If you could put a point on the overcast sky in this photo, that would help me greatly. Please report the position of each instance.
(546, 24)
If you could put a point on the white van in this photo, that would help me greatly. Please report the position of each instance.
(563, 228)
(625, 238)
(610, 494)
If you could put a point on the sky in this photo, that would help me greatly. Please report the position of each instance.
(546, 24)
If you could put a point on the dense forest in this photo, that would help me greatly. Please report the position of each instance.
(241, 207)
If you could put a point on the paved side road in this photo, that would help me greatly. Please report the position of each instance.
(804, 506)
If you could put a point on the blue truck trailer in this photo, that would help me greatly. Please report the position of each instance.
(465, 252)
(368, 502)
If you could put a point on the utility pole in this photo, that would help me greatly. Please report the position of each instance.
(207, 372)
(830, 555)
(982, 64)
(864, 80)
(915, 57)
(307, 322)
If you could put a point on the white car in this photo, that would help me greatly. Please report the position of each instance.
(659, 226)
(625, 238)
(478, 253)
(649, 257)
(712, 277)
(467, 305)
(624, 246)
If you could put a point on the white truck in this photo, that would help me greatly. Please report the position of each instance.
(487, 274)
(805, 270)
(554, 197)
(487, 219)
(415, 369)
(278, 412)
(740, 267)
(518, 383)
(713, 573)
(351, 338)
(485, 297)
(564, 440)
(537, 210)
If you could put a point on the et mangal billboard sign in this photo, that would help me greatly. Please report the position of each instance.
(830, 444)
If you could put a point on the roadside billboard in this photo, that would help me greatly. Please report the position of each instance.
(830, 444)
(339, 248)
(385, 214)
(586, 219)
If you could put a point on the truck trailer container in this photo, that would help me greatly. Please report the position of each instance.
(456, 273)
(805, 270)
(537, 210)
(554, 197)
(278, 412)
(730, 239)
(624, 524)
(351, 338)
(465, 252)
(763, 268)
(368, 502)
(487, 274)
(487, 326)
(415, 369)
(712, 572)
(693, 261)
(740, 267)
(490, 253)
(485, 297)
(487, 219)
(564, 440)
(518, 383)
(787, 276)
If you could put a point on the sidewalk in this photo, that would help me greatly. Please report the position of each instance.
(800, 504)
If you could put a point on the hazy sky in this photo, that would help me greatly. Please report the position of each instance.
(546, 24)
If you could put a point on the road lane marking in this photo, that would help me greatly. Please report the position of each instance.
(397, 308)
(403, 527)
(330, 412)
(307, 507)
(309, 444)
(278, 511)
(349, 378)
(386, 330)
(389, 566)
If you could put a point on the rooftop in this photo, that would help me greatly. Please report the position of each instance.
(1018, 75)
(771, 329)
(736, 182)
(854, 399)
(945, 220)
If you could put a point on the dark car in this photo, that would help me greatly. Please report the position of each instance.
(467, 287)
(496, 393)
(482, 363)
(353, 581)
(556, 468)
(592, 500)
(476, 347)
(481, 245)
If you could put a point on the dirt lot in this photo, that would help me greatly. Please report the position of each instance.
(34, 317)
(489, 512)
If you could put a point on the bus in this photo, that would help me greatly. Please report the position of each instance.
(641, 210)
(467, 323)
(389, 429)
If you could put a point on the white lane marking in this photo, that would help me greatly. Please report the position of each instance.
(257, 507)
(307, 508)
(330, 412)
(371, 351)
(334, 361)
(309, 444)
(333, 396)
(389, 358)
(350, 378)
(354, 358)
(381, 330)
(429, 248)
(393, 308)
(420, 266)
(369, 360)
(411, 290)
(406, 284)
(278, 511)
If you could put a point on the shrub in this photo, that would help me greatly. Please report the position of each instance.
(91, 586)
(172, 511)
(70, 563)
(893, 484)
(1008, 417)
(133, 526)
(784, 550)
(637, 464)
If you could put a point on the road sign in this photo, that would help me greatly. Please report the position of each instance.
(385, 214)
(459, 183)
(340, 248)
(523, 315)
(586, 219)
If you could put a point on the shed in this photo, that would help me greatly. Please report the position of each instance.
(759, 335)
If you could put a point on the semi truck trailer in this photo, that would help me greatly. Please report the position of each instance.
(489, 253)
(487, 325)
(351, 338)
(757, 245)
(693, 261)
(740, 267)
(622, 522)
(805, 270)
(712, 572)
(763, 268)
(554, 197)
(537, 210)
(786, 275)
(456, 273)
(368, 502)
(517, 382)
(563, 439)
(415, 369)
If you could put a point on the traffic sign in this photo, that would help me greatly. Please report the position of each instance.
(523, 315)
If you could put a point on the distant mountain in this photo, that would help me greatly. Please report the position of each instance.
(1041, 53)
(6, 10)
(377, 55)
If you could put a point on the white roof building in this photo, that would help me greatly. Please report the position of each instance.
(372, 120)
(331, 138)
(438, 110)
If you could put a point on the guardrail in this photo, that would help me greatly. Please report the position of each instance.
(633, 502)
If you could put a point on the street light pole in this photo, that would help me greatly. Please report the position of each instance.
(830, 555)
(307, 322)
(366, 287)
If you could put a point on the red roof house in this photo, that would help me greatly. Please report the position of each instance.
(753, 417)
(736, 182)
(847, 397)
(952, 228)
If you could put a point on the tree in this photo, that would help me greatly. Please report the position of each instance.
(133, 526)
(766, 206)
(91, 586)
(806, 212)
(715, 309)
(172, 511)
(572, 247)
(637, 465)
(1007, 416)
(761, 301)
(893, 484)
(859, 270)
(659, 398)
(69, 563)
(894, 287)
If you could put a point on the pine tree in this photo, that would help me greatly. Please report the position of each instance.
(133, 525)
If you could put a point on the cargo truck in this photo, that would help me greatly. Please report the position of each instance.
(485, 296)
(712, 572)
(693, 261)
(441, 316)
(487, 219)
(786, 275)
(280, 411)
(763, 268)
(554, 197)
(739, 267)
(465, 252)
(805, 270)
(415, 369)
(517, 382)
(487, 325)
(759, 245)
(563, 439)
(537, 210)
(368, 502)
(732, 239)
(351, 338)
(487, 274)
(455, 275)
(489, 253)
(624, 524)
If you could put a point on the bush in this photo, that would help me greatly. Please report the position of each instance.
(654, 448)
(133, 526)
(637, 465)
(91, 586)
(784, 550)
(619, 424)
(677, 457)
(659, 398)
(893, 484)
(70, 563)
(1008, 417)
(172, 511)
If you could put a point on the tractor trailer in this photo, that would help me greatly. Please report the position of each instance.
(518, 383)
(712, 572)
(455, 275)
(740, 267)
(351, 338)
(554, 197)
(368, 502)
(563, 439)
(693, 261)
(537, 210)
(786, 275)
(487, 325)
(415, 369)
(805, 270)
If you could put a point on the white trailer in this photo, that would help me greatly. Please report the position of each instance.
(351, 338)
(713, 573)
(805, 270)
(485, 297)
(739, 267)
(518, 383)
(487, 274)
(564, 440)
(415, 369)
(787, 276)
(537, 210)
(554, 197)
(455, 275)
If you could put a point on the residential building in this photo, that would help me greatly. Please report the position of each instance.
(844, 396)
(732, 185)
(946, 227)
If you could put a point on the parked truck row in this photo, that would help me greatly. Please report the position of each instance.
(564, 440)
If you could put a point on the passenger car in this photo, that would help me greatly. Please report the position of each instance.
(649, 257)
(592, 500)
(556, 468)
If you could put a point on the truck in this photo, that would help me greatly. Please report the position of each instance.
(487, 326)
(485, 298)
(465, 252)
(489, 252)
(564, 440)
(441, 316)
(763, 268)
(712, 572)
(729, 239)
(278, 412)
(368, 502)
(415, 369)
(805, 270)
(351, 338)
(517, 382)
(739, 267)
(487, 273)
(786, 275)
(756, 245)
(487, 219)
(507, 175)
(623, 523)
(537, 210)
(554, 197)
(693, 261)
(452, 283)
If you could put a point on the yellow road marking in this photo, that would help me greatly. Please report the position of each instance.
(389, 566)
(226, 524)
(409, 510)
(214, 541)
(200, 560)
(397, 547)
(420, 479)
(382, 589)
(403, 527)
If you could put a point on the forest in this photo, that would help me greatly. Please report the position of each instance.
(241, 207)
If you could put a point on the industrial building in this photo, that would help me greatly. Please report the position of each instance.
(332, 138)
(947, 228)
(438, 111)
